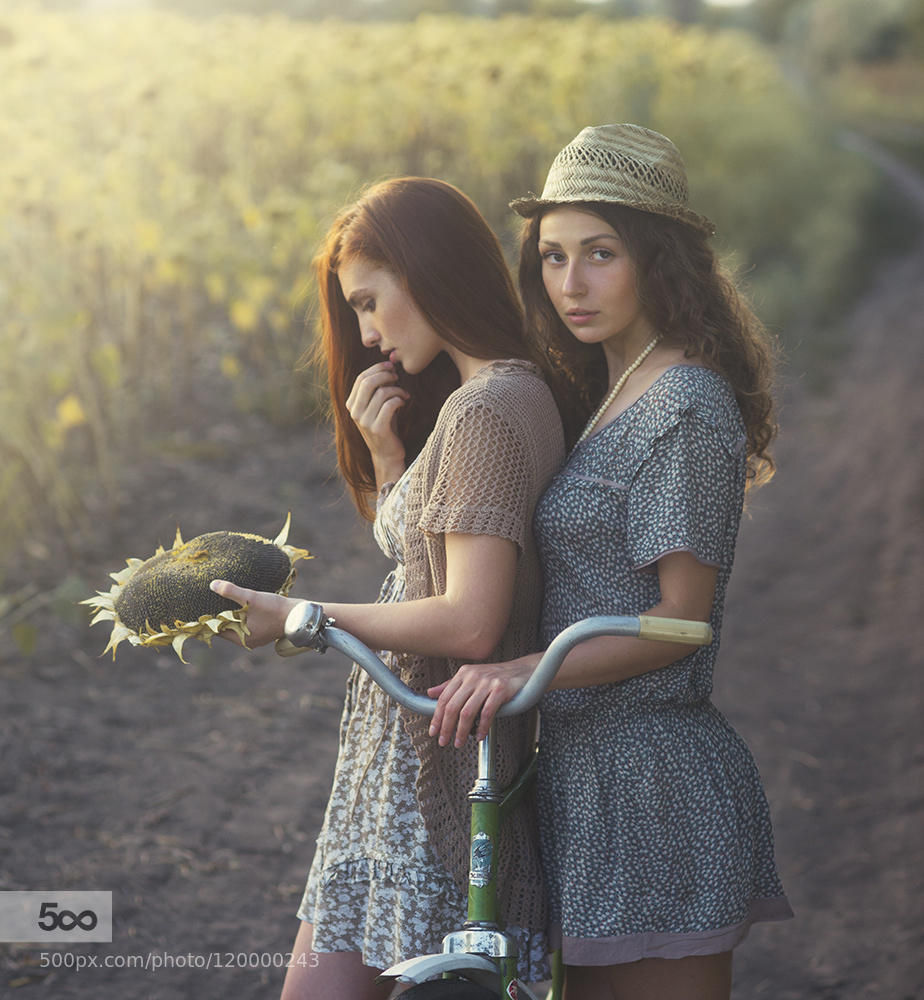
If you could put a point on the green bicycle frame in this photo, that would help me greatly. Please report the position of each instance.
(490, 807)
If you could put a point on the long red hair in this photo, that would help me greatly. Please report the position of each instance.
(434, 240)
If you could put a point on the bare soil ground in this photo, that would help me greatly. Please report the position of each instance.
(195, 792)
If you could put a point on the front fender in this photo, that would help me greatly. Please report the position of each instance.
(477, 968)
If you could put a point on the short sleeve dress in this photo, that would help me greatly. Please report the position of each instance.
(378, 885)
(655, 831)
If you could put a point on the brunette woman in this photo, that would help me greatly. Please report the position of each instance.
(655, 831)
(446, 428)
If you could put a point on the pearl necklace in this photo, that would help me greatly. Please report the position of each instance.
(614, 392)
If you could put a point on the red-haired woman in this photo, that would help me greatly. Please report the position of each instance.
(655, 832)
(445, 426)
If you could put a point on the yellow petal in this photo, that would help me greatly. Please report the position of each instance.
(119, 632)
(280, 539)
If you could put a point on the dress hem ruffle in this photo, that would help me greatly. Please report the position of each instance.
(623, 948)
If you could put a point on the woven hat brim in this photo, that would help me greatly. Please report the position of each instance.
(529, 205)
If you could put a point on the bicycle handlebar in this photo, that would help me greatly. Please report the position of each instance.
(306, 628)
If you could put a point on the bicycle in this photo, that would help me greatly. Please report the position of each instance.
(479, 961)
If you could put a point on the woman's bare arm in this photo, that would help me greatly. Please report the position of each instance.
(478, 690)
(466, 622)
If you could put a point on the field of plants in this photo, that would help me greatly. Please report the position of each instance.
(164, 181)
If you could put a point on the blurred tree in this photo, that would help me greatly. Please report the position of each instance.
(915, 37)
(912, 41)
(683, 11)
(769, 17)
(559, 8)
(827, 34)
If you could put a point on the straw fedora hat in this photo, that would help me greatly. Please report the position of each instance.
(623, 164)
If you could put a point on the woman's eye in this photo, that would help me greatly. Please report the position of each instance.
(368, 305)
(601, 253)
(553, 257)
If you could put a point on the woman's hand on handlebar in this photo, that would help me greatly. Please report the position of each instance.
(476, 691)
(266, 612)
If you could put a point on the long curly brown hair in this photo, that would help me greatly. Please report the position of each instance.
(434, 240)
(688, 297)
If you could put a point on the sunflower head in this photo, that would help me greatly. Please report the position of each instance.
(165, 599)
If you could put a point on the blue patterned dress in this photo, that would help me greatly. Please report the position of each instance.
(655, 831)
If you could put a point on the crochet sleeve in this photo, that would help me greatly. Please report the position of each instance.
(485, 481)
(685, 494)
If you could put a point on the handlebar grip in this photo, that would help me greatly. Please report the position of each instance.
(674, 630)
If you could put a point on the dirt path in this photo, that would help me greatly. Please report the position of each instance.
(195, 793)
(820, 669)
(821, 662)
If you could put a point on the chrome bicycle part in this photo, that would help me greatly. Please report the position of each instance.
(304, 624)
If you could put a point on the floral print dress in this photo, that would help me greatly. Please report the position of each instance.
(376, 886)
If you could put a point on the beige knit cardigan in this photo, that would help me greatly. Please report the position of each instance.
(496, 444)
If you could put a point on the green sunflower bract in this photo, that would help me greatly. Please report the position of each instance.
(165, 600)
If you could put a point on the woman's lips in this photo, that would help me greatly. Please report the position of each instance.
(580, 316)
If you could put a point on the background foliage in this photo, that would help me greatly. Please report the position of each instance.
(165, 179)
